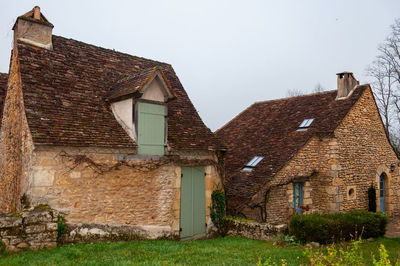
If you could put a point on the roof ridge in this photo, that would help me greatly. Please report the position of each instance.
(272, 100)
(112, 50)
(296, 97)
(236, 116)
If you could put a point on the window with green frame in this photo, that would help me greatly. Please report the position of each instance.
(151, 125)
(297, 196)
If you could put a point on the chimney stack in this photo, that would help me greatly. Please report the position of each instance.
(345, 84)
(36, 13)
(34, 29)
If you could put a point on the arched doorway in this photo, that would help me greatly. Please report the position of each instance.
(382, 192)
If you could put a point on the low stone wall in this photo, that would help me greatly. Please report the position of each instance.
(34, 229)
(87, 233)
(253, 230)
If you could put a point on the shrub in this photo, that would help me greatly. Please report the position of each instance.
(328, 228)
(61, 226)
(2, 247)
(218, 211)
(372, 198)
(347, 255)
(333, 255)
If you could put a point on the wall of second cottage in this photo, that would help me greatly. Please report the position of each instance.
(92, 186)
(364, 153)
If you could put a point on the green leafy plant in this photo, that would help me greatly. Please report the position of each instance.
(2, 247)
(383, 258)
(268, 261)
(372, 198)
(345, 255)
(61, 226)
(291, 240)
(333, 255)
(218, 211)
(328, 228)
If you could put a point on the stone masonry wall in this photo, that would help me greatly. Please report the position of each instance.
(34, 229)
(253, 230)
(97, 187)
(364, 154)
(15, 145)
(310, 166)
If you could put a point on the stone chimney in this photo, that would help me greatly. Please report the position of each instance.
(33, 28)
(345, 84)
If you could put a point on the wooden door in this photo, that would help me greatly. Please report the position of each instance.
(193, 212)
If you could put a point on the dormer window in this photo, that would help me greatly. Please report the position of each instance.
(305, 124)
(139, 103)
(252, 163)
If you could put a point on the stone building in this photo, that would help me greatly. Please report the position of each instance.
(108, 139)
(313, 153)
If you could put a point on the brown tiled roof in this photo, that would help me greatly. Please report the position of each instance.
(65, 92)
(3, 90)
(268, 129)
(132, 84)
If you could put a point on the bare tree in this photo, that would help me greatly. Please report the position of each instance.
(318, 88)
(385, 74)
(294, 92)
(384, 89)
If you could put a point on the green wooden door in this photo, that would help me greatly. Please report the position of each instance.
(193, 203)
(151, 129)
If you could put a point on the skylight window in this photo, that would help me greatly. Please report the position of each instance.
(252, 163)
(305, 124)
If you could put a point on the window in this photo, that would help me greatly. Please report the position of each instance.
(297, 196)
(305, 124)
(252, 163)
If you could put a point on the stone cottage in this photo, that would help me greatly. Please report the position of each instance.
(313, 153)
(111, 141)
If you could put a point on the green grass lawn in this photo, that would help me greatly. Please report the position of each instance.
(228, 251)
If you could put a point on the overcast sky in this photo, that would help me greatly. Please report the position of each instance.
(227, 54)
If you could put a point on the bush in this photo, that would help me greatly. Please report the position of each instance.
(61, 226)
(328, 228)
(2, 247)
(347, 255)
(218, 211)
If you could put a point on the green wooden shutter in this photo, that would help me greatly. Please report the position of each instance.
(193, 211)
(151, 129)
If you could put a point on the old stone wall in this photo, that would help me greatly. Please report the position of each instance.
(34, 229)
(364, 153)
(311, 166)
(15, 145)
(253, 230)
(109, 187)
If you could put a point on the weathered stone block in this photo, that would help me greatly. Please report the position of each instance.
(332, 190)
(23, 245)
(38, 216)
(43, 177)
(8, 221)
(35, 229)
(51, 226)
(15, 241)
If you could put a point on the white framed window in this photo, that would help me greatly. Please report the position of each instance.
(252, 163)
(305, 124)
